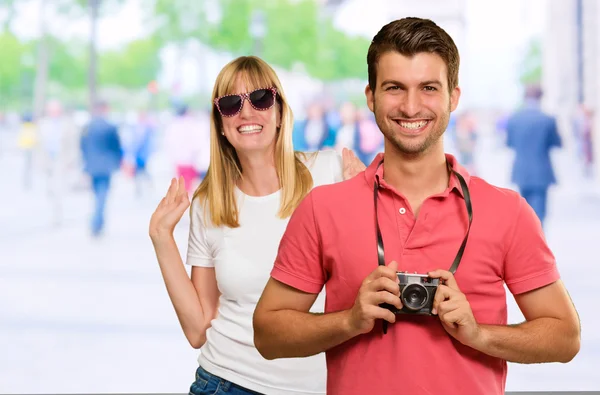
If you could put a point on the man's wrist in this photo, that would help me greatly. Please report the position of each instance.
(348, 328)
(481, 341)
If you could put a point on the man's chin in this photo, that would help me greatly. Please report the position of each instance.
(410, 148)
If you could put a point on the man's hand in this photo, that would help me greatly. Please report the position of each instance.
(351, 164)
(454, 310)
(381, 286)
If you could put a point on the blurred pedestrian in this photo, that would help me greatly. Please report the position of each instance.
(102, 155)
(531, 133)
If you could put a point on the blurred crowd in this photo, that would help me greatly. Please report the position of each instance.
(79, 150)
(52, 143)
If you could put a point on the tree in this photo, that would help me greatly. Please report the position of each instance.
(93, 9)
(531, 66)
(340, 57)
(132, 67)
(232, 33)
(175, 22)
(297, 33)
(8, 8)
(289, 42)
(43, 53)
(15, 72)
(68, 63)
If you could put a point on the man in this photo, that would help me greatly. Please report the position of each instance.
(423, 217)
(102, 155)
(532, 134)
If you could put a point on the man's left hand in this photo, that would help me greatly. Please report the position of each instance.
(454, 310)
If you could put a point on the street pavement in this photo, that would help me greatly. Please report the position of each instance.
(79, 314)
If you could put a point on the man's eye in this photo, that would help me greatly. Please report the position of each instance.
(430, 88)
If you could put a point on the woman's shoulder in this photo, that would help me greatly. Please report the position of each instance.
(200, 212)
(320, 159)
(325, 166)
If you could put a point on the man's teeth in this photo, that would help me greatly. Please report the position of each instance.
(413, 125)
(249, 129)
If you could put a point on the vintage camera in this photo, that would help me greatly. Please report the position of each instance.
(417, 292)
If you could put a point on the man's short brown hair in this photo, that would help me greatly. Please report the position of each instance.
(410, 36)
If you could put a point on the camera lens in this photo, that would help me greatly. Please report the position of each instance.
(414, 297)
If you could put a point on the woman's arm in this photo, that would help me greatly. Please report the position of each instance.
(195, 300)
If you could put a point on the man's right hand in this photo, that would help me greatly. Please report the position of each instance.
(381, 286)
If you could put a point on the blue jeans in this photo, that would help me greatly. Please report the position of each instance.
(208, 384)
(101, 186)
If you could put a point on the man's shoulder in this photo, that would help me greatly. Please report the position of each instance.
(491, 195)
(100, 125)
(346, 191)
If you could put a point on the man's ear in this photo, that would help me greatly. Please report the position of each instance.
(454, 98)
(370, 97)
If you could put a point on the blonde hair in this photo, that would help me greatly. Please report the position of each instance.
(217, 190)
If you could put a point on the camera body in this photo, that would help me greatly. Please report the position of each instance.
(417, 292)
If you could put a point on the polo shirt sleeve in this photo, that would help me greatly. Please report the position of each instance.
(298, 262)
(200, 251)
(529, 263)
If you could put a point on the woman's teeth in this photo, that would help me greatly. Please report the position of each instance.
(249, 129)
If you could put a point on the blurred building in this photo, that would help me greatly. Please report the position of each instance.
(571, 66)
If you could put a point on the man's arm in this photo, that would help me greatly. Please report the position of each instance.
(115, 142)
(551, 332)
(510, 143)
(284, 328)
(555, 139)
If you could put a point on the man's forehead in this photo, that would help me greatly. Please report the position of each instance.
(423, 66)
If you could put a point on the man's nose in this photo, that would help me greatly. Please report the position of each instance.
(411, 105)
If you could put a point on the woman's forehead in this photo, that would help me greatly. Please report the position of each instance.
(246, 82)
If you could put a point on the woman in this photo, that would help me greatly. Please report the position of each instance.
(239, 213)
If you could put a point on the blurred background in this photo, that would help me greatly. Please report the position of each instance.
(83, 307)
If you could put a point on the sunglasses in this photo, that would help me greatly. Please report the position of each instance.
(260, 99)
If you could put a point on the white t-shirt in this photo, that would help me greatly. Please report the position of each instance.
(243, 258)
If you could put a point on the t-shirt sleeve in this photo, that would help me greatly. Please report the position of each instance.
(298, 263)
(337, 166)
(200, 252)
(529, 263)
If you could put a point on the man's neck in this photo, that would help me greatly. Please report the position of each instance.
(259, 174)
(417, 177)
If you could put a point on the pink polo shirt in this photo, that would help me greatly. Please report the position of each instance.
(331, 240)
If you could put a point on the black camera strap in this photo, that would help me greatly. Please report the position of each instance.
(380, 250)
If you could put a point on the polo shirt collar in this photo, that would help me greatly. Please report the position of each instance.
(454, 184)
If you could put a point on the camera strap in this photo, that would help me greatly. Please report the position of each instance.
(467, 198)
